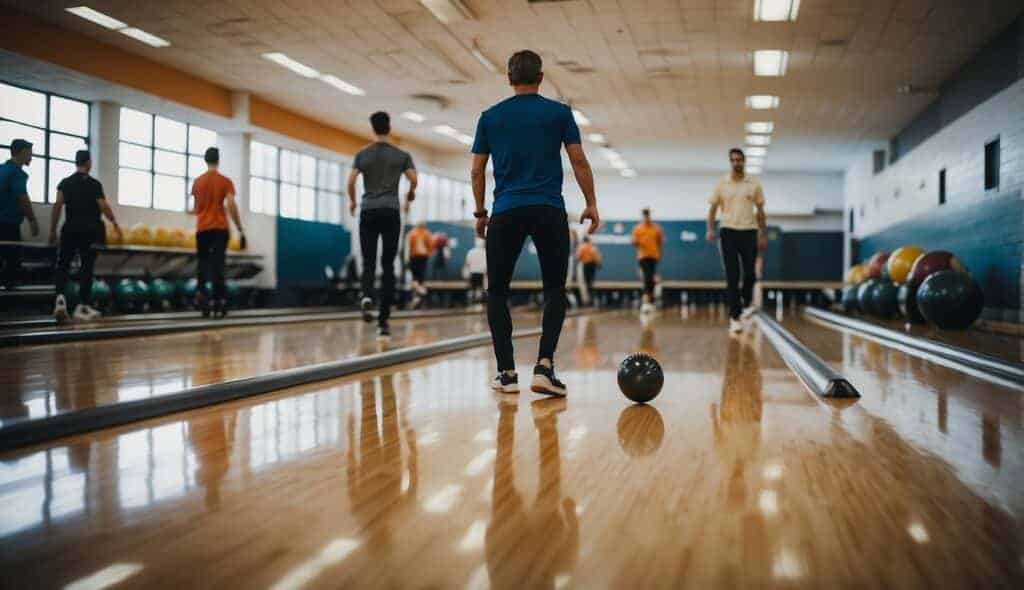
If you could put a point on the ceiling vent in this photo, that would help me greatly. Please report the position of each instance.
(432, 101)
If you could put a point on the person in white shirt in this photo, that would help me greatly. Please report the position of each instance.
(741, 200)
(476, 269)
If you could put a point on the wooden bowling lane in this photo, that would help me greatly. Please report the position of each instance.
(419, 476)
(38, 381)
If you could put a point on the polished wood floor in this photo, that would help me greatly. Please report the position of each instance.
(420, 477)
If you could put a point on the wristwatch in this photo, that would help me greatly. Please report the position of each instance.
(480, 214)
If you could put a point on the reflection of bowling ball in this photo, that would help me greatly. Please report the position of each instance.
(901, 261)
(885, 300)
(951, 300)
(101, 294)
(161, 294)
(640, 377)
(864, 296)
(640, 429)
(850, 299)
(933, 262)
(876, 264)
(907, 299)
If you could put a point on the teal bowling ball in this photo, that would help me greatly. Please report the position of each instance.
(161, 294)
(234, 293)
(71, 294)
(865, 295)
(127, 296)
(145, 293)
(101, 294)
(907, 299)
(885, 300)
(951, 300)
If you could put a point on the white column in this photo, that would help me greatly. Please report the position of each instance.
(105, 128)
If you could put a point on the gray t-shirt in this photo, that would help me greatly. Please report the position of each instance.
(382, 166)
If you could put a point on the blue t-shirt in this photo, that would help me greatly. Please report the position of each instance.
(13, 184)
(524, 135)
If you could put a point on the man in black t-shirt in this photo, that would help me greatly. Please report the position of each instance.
(83, 197)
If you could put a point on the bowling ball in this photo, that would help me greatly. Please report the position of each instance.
(640, 377)
(235, 243)
(932, 262)
(161, 294)
(111, 236)
(145, 293)
(162, 237)
(101, 294)
(850, 304)
(951, 300)
(190, 239)
(901, 261)
(71, 293)
(876, 265)
(885, 300)
(127, 296)
(865, 295)
(907, 299)
(440, 240)
(234, 292)
(140, 235)
(856, 274)
(177, 238)
(191, 287)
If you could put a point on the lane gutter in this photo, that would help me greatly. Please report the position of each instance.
(815, 373)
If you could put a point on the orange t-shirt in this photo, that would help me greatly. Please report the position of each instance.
(587, 253)
(210, 190)
(647, 239)
(420, 242)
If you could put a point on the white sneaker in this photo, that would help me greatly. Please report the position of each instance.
(60, 309)
(86, 313)
(735, 326)
(647, 308)
(748, 312)
(366, 306)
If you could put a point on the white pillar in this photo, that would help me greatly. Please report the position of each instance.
(105, 129)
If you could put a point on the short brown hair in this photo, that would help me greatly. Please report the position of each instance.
(524, 67)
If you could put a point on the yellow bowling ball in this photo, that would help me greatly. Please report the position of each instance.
(856, 274)
(140, 235)
(901, 261)
(162, 237)
(178, 237)
(113, 239)
(190, 239)
(235, 243)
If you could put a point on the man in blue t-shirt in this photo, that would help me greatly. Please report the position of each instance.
(15, 206)
(524, 134)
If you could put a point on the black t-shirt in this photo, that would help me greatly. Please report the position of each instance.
(81, 200)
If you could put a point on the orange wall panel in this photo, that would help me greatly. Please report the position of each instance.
(274, 118)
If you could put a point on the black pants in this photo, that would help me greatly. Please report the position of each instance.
(10, 256)
(649, 267)
(76, 241)
(211, 248)
(418, 267)
(739, 251)
(548, 227)
(589, 272)
(386, 225)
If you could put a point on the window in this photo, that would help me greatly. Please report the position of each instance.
(851, 221)
(992, 164)
(263, 178)
(879, 163)
(942, 186)
(56, 126)
(299, 186)
(159, 159)
(328, 192)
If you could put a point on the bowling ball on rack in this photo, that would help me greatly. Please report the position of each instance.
(145, 293)
(885, 300)
(161, 294)
(951, 300)
(234, 292)
(856, 274)
(71, 294)
(907, 299)
(127, 296)
(901, 261)
(850, 299)
(140, 235)
(864, 296)
(640, 377)
(101, 294)
(876, 265)
(162, 237)
(933, 262)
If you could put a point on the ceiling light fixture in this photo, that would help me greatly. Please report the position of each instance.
(483, 59)
(147, 38)
(342, 85)
(759, 139)
(762, 102)
(447, 130)
(581, 119)
(464, 139)
(770, 62)
(756, 151)
(287, 62)
(610, 154)
(414, 117)
(596, 138)
(760, 127)
(776, 10)
(97, 17)
(449, 11)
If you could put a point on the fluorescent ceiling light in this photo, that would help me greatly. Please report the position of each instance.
(596, 138)
(755, 161)
(760, 127)
(464, 139)
(759, 139)
(756, 151)
(147, 38)
(610, 154)
(776, 10)
(581, 119)
(762, 101)
(628, 173)
(753, 170)
(97, 17)
(619, 164)
(299, 68)
(483, 59)
(414, 117)
(770, 62)
(342, 85)
(449, 11)
(447, 130)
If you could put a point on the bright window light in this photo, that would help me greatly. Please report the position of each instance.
(755, 161)
(757, 152)
(760, 127)
(753, 169)
(596, 138)
(759, 139)
(581, 119)
(770, 62)
(762, 101)
(342, 85)
(628, 173)
(414, 117)
(97, 17)
(147, 38)
(776, 10)
(285, 61)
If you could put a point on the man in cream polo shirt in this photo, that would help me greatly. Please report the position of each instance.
(741, 200)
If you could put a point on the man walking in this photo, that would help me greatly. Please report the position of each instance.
(15, 207)
(382, 166)
(648, 240)
(524, 134)
(214, 201)
(741, 200)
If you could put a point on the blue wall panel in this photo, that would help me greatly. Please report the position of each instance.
(304, 248)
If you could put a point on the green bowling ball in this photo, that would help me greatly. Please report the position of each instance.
(161, 294)
(101, 294)
(234, 293)
(951, 300)
(127, 296)
(71, 294)
(191, 286)
(885, 300)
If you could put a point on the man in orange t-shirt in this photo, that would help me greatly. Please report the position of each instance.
(590, 257)
(214, 200)
(420, 245)
(648, 239)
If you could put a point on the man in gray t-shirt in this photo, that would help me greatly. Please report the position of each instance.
(382, 166)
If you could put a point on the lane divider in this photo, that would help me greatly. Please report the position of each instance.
(90, 419)
(816, 374)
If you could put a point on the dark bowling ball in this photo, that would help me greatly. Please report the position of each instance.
(640, 377)
(234, 293)
(145, 294)
(161, 294)
(951, 300)
(71, 294)
(932, 262)
(885, 300)
(865, 295)
(101, 294)
(640, 430)
(907, 299)
(126, 295)
(850, 299)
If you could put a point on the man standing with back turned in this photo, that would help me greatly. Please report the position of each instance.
(741, 200)
(525, 134)
(214, 201)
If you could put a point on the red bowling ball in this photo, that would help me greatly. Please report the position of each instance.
(931, 263)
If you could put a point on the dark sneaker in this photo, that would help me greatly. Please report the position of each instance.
(383, 331)
(506, 383)
(366, 305)
(545, 382)
(220, 308)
